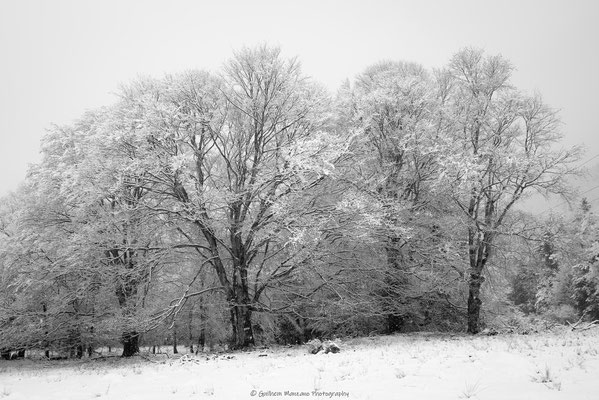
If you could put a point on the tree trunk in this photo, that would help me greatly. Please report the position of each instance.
(395, 323)
(89, 348)
(241, 321)
(79, 351)
(45, 342)
(239, 300)
(175, 351)
(130, 341)
(302, 323)
(201, 340)
(479, 253)
(202, 335)
(474, 302)
(74, 342)
(126, 290)
(395, 281)
(190, 329)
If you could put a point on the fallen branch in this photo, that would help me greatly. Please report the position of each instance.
(579, 325)
(589, 325)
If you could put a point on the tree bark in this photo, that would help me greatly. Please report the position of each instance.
(202, 334)
(190, 329)
(241, 321)
(79, 351)
(479, 253)
(75, 346)
(130, 341)
(126, 292)
(175, 351)
(45, 342)
(395, 323)
(474, 302)
(394, 280)
(201, 340)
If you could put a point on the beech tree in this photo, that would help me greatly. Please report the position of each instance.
(51, 292)
(397, 141)
(227, 157)
(12, 259)
(83, 220)
(504, 148)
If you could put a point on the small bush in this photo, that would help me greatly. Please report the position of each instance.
(562, 314)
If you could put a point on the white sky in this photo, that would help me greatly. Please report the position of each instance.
(59, 58)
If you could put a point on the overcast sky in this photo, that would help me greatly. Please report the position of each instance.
(59, 58)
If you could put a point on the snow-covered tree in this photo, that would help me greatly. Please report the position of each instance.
(229, 158)
(393, 181)
(504, 147)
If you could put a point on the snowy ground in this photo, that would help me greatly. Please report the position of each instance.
(419, 366)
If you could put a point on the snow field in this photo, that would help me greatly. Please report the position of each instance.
(562, 365)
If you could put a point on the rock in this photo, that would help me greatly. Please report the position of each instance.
(331, 347)
(314, 346)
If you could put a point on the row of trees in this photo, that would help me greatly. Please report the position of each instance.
(252, 205)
